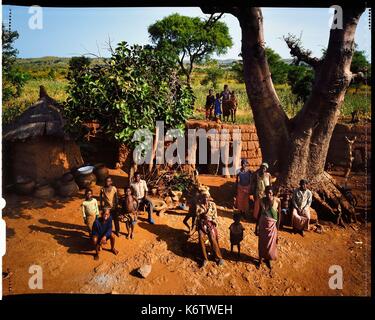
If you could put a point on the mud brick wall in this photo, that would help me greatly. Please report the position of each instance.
(250, 148)
(338, 153)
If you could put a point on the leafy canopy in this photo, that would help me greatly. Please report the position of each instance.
(134, 88)
(190, 38)
(13, 80)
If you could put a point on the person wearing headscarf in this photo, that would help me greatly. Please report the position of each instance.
(243, 182)
(261, 180)
(301, 200)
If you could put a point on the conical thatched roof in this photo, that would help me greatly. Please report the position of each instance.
(43, 118)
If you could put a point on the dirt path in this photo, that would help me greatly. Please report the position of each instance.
(53, 236)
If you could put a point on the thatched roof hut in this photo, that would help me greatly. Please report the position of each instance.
(38, 147)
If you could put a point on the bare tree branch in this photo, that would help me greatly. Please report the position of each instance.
(299, 52)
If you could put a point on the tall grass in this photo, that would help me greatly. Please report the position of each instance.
(360, 100)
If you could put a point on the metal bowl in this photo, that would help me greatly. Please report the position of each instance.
(85, 169)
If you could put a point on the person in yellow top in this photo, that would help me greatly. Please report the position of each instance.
(109, 199)
(90, 209)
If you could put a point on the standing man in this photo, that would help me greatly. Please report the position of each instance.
(109, 199)
(140, 190)
(225, 96)
(301, 200)
(210, 101)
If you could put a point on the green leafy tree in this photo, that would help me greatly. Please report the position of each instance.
(134, 88)
(300, 79)
(190, 38)
(213, 74)
(12, 79)
(279, 69)
(77, 64)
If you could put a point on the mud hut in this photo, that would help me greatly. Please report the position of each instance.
(37, 145)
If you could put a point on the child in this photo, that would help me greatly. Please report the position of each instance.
(285, 209)
(236, 233)
(90, 210)
(109, 199)
(210, 102)
(130, 211)
(218, 111)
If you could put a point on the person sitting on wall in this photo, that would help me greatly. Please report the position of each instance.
(102, 232)
(301, 200)
(207, 227)
(139, 187)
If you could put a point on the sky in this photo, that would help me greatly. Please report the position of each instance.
(70, 32)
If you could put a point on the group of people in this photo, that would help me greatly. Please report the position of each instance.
(269, 212)
(115, 209)
(222, 104)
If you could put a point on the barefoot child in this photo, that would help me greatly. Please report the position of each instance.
(218, 111)
(236, 233)
(90, 210)
(130, 211)
(109, 199)
(102, 232)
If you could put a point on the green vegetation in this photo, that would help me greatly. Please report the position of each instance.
(355, 99)
(134, 88)
(190, 38)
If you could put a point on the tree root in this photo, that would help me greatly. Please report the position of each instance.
(329, 201)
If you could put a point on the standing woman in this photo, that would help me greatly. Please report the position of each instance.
(243, 182)
(262, 180)
(269, 221)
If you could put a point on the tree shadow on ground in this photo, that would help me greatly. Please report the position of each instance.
(176, 239)
(16, 204)
(68, 235)
(232, 256)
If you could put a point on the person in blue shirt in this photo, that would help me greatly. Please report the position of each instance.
(102, 232)
(218, 111)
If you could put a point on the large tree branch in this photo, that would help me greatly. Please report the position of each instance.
(299, 52)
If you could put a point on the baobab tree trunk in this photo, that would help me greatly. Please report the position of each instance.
(297, 148)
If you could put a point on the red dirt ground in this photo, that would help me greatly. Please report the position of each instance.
(51, 234)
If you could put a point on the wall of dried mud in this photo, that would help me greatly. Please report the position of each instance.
(338, 154)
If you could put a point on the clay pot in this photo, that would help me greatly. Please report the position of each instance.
(86, 180)
(68, 189)
(24, 186)
(44, 192)
(101, 171)
(67, 177)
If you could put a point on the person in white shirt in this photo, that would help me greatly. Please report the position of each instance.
(301, 200)
(139, 187)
